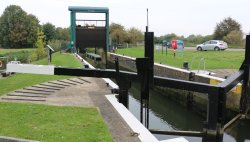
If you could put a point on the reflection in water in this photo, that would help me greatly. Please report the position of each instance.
(165, 114)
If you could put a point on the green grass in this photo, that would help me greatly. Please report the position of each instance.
(189, 44)
(64, 59)
(19, 81)
(52, 123)
(213, 59)
(17, 54)
(49, 123)
(7, 51)
(236, 46)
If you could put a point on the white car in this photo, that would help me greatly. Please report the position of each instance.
(212, 45)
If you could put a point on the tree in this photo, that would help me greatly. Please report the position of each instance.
(234, 37)
(40, 51)
(134, 35)
(62, 34)
(50, 31)
(225, 27)
(117, 33)
(207, 37)
(159, 39)
(32, 26)
(195, 39)
(18, 29)
(171, 36)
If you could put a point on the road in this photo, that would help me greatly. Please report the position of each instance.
(229, 49)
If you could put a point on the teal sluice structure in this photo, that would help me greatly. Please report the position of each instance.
(88, 36)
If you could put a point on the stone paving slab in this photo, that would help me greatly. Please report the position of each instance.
(223, 73)
(51, 85)
(45, 87)
(118, 127)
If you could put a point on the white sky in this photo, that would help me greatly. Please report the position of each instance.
(183, 17)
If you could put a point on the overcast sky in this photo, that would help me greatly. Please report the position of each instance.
(183, 17)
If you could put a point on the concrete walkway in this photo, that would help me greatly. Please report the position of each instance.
(82, 92)
(223, 73)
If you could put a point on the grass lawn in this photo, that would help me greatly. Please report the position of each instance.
(49, 123)
(213, 59)
(5, 51)
(17, 54)
(19, 81)
(64, 59)
(52, 123)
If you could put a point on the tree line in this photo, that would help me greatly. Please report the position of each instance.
(228, 30)
(120, 35)
(22, 30)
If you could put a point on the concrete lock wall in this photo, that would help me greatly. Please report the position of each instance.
(199, 99)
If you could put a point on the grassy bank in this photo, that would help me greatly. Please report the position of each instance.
(10, 51)
(17, 54)
(64, 59)
(213, 59)
(19, 81)
(52, 123)
(49, 123)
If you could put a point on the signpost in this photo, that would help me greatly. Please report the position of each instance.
(50, 50)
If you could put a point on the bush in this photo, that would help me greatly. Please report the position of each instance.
(25, 56)
(22, 56)
(40, 51)
(234, 38)
(58, 45)
(33, 57)
(55, 44)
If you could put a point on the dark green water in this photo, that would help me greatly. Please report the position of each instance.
(165, 114)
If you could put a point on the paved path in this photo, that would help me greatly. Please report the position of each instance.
(223, 73)
(82, 92)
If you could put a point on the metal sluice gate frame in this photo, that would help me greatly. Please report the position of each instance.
(215, 123)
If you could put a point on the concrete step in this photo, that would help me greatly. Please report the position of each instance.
(74, 80)
(12, 139)
(58, 83)
(26, 95)
(47, 88)
(31, 92)
(66, 82)
(52, 85)
(38, 90)
(41, 91)
(20, 98)
(83, 79)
